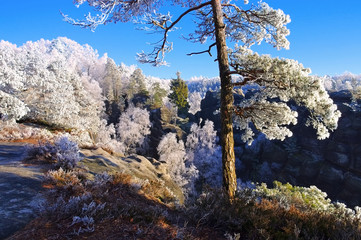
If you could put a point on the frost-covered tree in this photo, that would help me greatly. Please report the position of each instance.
(345, 81)
(157, 95)
(106, 137)
(173, 153)
(194, 100)
(11, 108)
(133, 128)
(203, 85)
(204, 153)
(137, 84)
(112, 81)
(11, 82)
(280, 81)
(218, 20)
(57, 80)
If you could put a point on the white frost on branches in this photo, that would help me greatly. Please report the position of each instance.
(247, 25)
(279, 81)
(173, 153)
(11, 108)
(56, 80)
(194, 100)
(133, 128)
(204, 153)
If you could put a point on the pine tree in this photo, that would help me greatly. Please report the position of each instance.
(247, 24)
(179, 94)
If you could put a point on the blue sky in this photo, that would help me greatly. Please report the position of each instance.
(325, 35)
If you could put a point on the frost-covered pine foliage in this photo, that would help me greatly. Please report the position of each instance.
(280, 81)
(133, 128)
(173, 153)
(204, 153)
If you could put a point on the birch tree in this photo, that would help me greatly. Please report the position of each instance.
(246, 24)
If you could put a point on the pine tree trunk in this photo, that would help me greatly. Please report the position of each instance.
(228, 157)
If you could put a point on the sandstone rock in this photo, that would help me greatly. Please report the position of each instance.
(330, 175)
(348, 136)
(357, 162)
(340, 159)
(353, 183)
(334, 146)
(356, 121)
(99, 161)
(275, 154)
(310, 168)
(19, 188)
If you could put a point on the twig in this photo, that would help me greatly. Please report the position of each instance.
(205, 51)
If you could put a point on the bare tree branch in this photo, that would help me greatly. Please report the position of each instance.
(161, 50)
(205, 51)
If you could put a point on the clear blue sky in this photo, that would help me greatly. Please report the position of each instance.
(325, 35)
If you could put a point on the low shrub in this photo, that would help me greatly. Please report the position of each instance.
(284, 212)
(62, 154)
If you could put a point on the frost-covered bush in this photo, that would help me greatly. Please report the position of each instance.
(63, 153)
(132, 130)
(106, 138)
(204, 153)
(283, 212)
(11, 107)
(173, 153)
(67, 153)
(307, 199)
(302, 197)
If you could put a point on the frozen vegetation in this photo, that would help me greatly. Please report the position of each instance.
(65, 97)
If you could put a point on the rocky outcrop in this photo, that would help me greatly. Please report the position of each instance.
(144, 169)
(333, 165)
(21, 183)
(19, 188)
(162, 123)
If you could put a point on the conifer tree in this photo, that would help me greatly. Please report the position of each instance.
(137, 84)
(179, 94)
(248, 24)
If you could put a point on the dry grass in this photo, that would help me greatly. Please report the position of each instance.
(130, 212)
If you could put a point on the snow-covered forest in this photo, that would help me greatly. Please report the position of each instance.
(63, 84)
(67, 97)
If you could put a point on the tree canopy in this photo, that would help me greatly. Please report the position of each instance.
(246, 24)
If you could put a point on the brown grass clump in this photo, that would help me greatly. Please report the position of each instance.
(108, 207)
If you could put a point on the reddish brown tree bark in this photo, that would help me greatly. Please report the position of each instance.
(227, 141)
